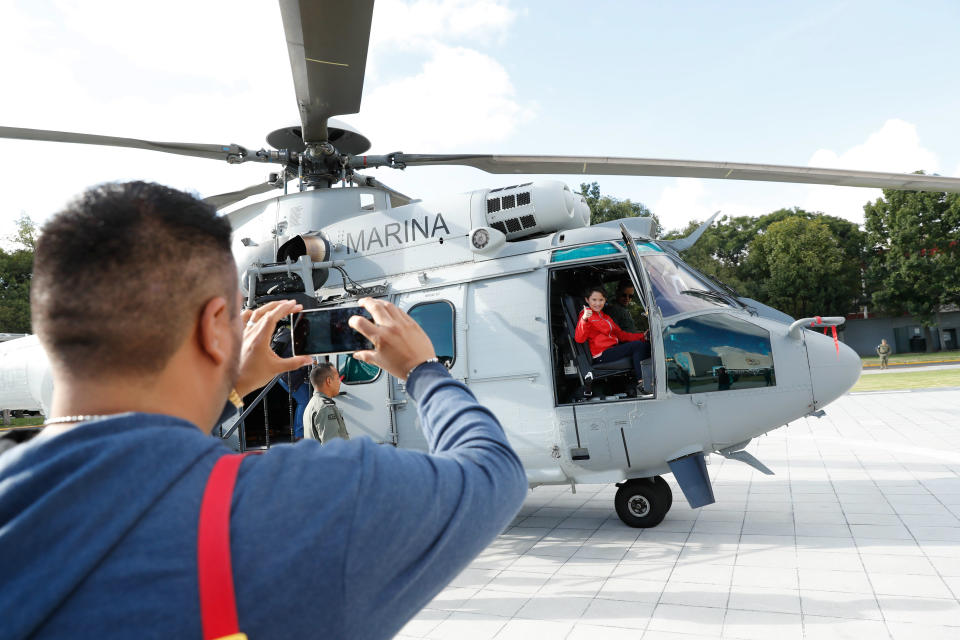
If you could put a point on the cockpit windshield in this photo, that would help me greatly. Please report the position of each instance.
(676, 289)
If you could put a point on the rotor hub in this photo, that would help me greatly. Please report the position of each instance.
(345, 138)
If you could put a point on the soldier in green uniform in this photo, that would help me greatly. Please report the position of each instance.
(322, 419)
(617, 308)
(883, 350)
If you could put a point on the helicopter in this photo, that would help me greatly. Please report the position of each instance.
(496, 278)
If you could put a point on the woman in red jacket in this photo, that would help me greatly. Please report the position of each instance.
(607, 341)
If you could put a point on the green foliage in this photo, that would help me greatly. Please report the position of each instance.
(26, 236)
(16, 269)
(606, 208)
(800, 262)
(798, 266)
(914, 241)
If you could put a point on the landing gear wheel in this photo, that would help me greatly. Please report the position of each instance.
(665, 492)
(643, 502)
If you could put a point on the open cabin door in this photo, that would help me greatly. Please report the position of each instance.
(653, 313)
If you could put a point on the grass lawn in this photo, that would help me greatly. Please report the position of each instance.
(909, 380)
(23, 422)
(903, 358)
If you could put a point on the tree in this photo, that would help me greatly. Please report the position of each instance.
(606, 208)
(16, 269)
(721, 249)
(914, 240)
(738, 252)
(799, 266)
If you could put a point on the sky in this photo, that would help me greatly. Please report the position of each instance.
(859, 84)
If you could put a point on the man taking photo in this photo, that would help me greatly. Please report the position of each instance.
(135, 300)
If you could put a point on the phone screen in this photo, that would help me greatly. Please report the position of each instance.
(325, 331)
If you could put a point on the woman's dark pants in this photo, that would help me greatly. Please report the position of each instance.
(637, 352)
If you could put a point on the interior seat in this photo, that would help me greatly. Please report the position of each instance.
(590, 370)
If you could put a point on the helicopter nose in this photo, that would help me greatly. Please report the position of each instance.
(833, 371)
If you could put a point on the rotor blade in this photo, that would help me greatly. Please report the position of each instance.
(230, 153)
(327, 43)
(222, 200)
(571, 165)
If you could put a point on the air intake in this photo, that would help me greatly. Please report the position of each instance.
(533, 208)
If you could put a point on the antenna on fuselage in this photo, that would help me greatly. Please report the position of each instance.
(685, 243)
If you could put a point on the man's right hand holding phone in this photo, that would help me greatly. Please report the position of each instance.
(399, 342)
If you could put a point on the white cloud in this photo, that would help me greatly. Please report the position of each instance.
(460, 97)
(420, 23)
(689, 199)
(895, 147)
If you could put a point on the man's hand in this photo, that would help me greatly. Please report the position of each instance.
(399, 342)
(587, 312)
(258, 363)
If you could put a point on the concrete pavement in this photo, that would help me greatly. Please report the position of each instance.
(857, 536)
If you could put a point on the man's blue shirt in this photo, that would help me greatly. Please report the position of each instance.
(98, 525)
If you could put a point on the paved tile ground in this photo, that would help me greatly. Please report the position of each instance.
(857, 536)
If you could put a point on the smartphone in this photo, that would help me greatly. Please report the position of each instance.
(326, 331)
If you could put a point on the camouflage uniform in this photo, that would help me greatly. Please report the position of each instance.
(322, 419)
(883, 350)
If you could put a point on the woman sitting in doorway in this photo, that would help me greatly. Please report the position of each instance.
(606, 340)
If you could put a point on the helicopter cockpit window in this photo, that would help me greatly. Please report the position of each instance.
(678, 290)
(352, 371)
(717, 352)
(438, 320)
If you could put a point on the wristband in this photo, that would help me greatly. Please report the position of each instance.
(410, 373)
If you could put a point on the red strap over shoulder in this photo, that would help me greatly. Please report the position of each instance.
(218, 604)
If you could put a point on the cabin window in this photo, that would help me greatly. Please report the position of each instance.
(352, 371)
(678, 290)
(367, 201)
(717, 352)
(438, 320)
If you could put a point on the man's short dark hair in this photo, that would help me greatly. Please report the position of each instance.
(321, 373)
(121, 274)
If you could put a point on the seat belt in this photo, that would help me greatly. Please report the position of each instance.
(218, 602)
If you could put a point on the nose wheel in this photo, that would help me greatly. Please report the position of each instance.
(643, 502)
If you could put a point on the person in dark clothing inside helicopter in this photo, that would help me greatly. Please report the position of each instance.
(618, 308)
(607, 341)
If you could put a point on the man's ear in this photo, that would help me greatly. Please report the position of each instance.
(214, 330)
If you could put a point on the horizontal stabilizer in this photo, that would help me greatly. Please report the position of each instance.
(691, 474)
(748, 458)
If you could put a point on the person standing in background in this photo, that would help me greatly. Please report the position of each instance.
(322, 419)
(883, 350)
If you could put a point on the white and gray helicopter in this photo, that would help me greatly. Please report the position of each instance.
(496, 277)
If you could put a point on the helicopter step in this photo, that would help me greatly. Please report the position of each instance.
(643, 502)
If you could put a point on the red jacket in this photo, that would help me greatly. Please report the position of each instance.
(602, 333)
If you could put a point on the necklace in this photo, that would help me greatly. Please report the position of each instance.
(84, 418)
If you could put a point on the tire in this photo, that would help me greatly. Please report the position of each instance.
(666, 493)
(643, 503)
